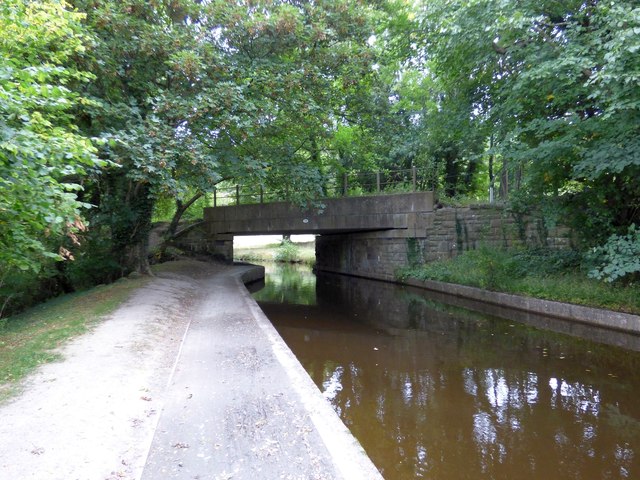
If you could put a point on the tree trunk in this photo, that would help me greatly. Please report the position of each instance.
(491, 177)
(472, 168)
(129, 207)
(181, 208)
(135, 258)
(504, 180)
(451, 170)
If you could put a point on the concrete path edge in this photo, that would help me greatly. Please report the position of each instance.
(349, 458)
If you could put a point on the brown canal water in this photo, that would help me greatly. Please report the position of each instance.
(437, 391)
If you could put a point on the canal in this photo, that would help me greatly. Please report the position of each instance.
(439, 391)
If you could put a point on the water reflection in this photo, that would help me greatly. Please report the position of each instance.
(289, 284)
(434, 391)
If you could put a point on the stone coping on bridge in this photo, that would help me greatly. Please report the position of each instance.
(379, 212)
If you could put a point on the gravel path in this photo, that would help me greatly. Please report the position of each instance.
(92, 416)
(187, 380)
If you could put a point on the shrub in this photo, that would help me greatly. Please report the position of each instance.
(287, 251)
(619, 257)
(544, 261)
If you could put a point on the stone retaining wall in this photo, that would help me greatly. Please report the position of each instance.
(443, 233)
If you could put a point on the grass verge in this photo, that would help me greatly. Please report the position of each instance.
(551, 275)
(33, 337)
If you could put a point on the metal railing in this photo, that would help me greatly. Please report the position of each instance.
(354, 183)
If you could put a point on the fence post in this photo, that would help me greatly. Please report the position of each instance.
(345, 186)
(215, 197)
(261, 195)
(237, 194)
(378, 181)
(414, 175)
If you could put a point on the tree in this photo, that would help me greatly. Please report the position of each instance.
(552, 88)
(42, 153)
(192, 93)
(576, 97)
(137, 51)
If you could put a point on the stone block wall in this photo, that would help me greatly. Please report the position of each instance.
(451, 231)
(370, 255)
(440, 234)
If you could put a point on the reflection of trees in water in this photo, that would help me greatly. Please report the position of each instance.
(470, 396)
(288, 283)
(458, 394)
(489, 423)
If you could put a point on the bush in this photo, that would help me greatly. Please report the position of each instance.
(551, 274)
(94, 263)
(544, 261)
(287, 252)
(619, 258)
(495, 269)
(21, 289)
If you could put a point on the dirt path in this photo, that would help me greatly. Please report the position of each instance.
(187, 380)
(93, 415)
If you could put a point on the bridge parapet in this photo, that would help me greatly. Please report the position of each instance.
(336, 215)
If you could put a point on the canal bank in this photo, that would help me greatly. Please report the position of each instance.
(240, 405)
(438, 390)
(564, 312)
(597, 317)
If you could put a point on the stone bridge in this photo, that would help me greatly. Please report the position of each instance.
(397, 213)
(373, 236)
(334, 215)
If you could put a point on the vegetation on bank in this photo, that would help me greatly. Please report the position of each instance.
(283, 252)
(560, 275)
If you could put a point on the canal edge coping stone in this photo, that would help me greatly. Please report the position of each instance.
(625, 322)
(348, 455)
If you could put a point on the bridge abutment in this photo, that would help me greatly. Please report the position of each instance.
(434, 235)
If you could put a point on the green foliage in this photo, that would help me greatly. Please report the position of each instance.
(287, 252)
(414, 252)
(190, 94)
(287, 283)
(541, 273)
(619, 258)
(42, 154)
(541, 96)
(485, 267)
(545, 262)
(23, 288)
(495, 269)
(164, 208)
(299, 253)
(94, 262)
(534, 97)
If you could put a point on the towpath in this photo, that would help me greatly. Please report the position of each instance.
(188, 380)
